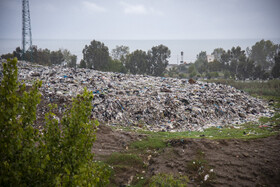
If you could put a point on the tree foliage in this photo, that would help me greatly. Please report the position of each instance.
(96, 56)
(120, 53)
(44, 56)
(263, 53)
(19, 157)
(218, 52)
(152, 63)
(158, 59)
(61, 155)
(276, 68)
(201, 62)
(137, 62)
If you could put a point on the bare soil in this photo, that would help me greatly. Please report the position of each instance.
(235, 162)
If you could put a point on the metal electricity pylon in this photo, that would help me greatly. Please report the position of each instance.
(26, 30)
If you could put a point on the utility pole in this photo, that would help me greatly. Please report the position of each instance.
(26, 30)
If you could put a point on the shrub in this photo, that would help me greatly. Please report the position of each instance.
(61, 155)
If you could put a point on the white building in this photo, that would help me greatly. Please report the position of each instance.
(210, 58)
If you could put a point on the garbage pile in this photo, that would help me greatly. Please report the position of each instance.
(151, 103)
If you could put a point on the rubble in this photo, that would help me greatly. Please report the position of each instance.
(151, 103)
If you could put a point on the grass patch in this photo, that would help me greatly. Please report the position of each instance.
(123, 160)
(168, 180)
(152, 142)
(245, 131)
(264, 128)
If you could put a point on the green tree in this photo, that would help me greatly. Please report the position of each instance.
(96, 56)
(83, 64)
(56, 57)
(234, 61)
(18, 155)
(8, 55)
(137, 62)
(215, 66)
(263, 53)
(116, 66)
(120, 53)
(218, 52)
(275, 72)
(61, 155)
(192, 68)
(201, 63)
(73, 61)
(258, 72)
(17, 53)
(67, 148)
(158, 60)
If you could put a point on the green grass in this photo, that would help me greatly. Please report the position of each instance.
(168, 180)
(124, 159)
(267, 88)
(264, 128)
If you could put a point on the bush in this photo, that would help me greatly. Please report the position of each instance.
(18, 152)
(61, 155)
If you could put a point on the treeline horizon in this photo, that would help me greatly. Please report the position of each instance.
(261, 61)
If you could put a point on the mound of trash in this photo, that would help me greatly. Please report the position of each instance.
(151, 103)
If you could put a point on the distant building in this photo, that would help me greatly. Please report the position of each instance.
(171, 66)
(210, 58)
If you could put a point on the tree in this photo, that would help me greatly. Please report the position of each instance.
(116, 66)
(18, 138)
(201, 63)
(73, 61)
(192, 69)
(83, 64)
(218, 52)
(263, 53)
(96, 56)
(215, 66)
(258, 72)
(61, 155)
(8, 55)
(120, 53)
(57, 57)
(158, 60)
(275, 72)
(17, 53)
(234, 60)
(137, 62)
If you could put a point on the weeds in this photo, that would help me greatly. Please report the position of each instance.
(168, 180)
(199, 170)
(124, 159)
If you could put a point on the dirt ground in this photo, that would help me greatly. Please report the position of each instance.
(235, 162)
(254, 162)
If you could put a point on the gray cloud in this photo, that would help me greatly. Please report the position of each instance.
(144, 19)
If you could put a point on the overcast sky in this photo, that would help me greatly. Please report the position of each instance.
(144, 19)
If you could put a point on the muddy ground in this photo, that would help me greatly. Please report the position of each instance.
(254, 162)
